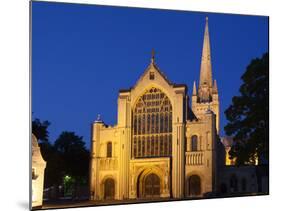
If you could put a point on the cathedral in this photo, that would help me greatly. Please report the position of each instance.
(161, 147)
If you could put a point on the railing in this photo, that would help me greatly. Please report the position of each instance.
(195, 158)
(108, 163)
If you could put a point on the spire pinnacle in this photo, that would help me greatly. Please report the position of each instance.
(206, 66)
(194, 89)
(215, 87)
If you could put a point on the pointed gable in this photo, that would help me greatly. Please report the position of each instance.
(153, 77)
(153, 71)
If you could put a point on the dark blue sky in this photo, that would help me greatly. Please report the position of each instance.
(83, 54)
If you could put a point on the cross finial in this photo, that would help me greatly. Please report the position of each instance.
(152, 55)
(98, 118)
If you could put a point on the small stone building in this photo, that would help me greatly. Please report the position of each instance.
(37, 174)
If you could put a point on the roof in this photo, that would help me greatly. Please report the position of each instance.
(153, 65)
(37, 159)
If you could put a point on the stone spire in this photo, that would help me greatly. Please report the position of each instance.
(206, 67)
(194, 89)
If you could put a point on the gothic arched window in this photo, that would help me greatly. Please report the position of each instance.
(194, 143)
(109, 150)
(152, 125)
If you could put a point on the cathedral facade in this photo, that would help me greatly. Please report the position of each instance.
(161, 147)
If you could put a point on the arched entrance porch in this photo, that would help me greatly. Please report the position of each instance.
(194, 185)
(109, 189)
(149, 186)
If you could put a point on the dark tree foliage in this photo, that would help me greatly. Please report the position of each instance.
(74, 153)
(74, 156)
(248, 115)
(67, 156)
(39, 129)
(53, 174)
(53, 171)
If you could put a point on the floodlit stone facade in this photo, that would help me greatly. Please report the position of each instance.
(37, 174)
(161, 147)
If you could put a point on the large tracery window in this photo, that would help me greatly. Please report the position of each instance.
(152, 125)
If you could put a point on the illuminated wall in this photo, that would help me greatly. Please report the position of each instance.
(37, 174)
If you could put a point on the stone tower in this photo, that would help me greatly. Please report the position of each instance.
(207, 95)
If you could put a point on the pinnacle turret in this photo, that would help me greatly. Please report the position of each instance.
(215, 87)
(194, 89)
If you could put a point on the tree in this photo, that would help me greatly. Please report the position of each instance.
(248, 114)
(66, 158)
(75, 157)
(40, 129)
(54, 167)
(53, 174)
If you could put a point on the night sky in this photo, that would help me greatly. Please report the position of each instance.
(82, 55)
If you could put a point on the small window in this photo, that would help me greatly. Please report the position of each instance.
(109, 150)
(34, 174)
(151, 75)
(194, 143)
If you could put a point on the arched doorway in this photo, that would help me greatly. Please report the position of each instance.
(194, 184)
(109, 188)
(151, 186)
